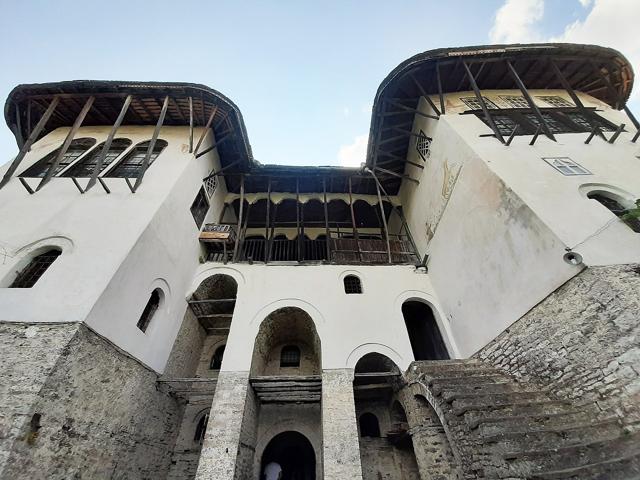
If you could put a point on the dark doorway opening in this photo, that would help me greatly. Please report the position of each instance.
(295, 455)
(424, 334)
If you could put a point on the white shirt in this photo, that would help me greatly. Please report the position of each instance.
(272, 471)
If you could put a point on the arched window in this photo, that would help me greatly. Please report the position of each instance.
(617, 209)
(352, 284)
(425, 337)
(86, 166)
(290, 356)
(216, 360)
(130, 165)
(369, 425)
(76, 149)
(150, 309)
(30, 274)
(201, 428)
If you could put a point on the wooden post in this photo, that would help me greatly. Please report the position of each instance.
(206, 128)
(532, 105)
(67, 142)
(32, 138)
(298, 238)
(326, 219)
(483, 105)
(353, 221)
(235, 248)
(266, 223)
(273, 230)
(244, 232)
(107, 144)
(190, 124)
(152, 144)
(384, 222)
(440, 93)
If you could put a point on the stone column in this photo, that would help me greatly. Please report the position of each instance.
(219, 454)
(341, 450)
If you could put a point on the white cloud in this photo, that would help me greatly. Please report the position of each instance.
(354, 154)
(585, 3)
(516, 21)
(346, 111)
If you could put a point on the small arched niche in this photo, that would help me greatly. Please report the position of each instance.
(286, 327)
(425, 337)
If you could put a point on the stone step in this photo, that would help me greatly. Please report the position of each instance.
(521, 441)
(438, 383)
(509, 417)
(573, 456)
(451, 392)
(466, 403)
(615, 468)
(549, 415)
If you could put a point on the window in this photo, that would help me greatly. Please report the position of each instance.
(290, 356)
(504, 123)
(76, 149)
(515, 101)
(216, 360)
(130, 165)
(352, 284)
(423, 145)
(617, 209)
(86, 166)
(566, 166)
(474, 104)
(210, 183)
(201, 428)
(149, 310)
(30, 274)
(200, 207)
(369, 425)
(586, 124)
(553, 123)
(556, 101)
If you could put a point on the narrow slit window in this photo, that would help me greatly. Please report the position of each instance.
(86, 166)
(216, 359)
(200, 207)
(149, 310)
(290, 356)
(201, 428)
(352, 285)
(131, 164)
(566, 166)
(30, 274)
(76, 149)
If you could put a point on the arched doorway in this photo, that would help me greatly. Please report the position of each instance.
(424, 334)
(295, 455)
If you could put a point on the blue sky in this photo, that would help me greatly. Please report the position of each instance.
(303, 73)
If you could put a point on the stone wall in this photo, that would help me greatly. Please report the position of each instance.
(81, 408)
(582, 342)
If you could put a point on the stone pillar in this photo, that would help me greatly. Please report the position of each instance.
(219, 454)
(341, 450)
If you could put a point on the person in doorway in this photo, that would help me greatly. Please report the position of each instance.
(273, 471)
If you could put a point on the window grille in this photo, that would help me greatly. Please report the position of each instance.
(515, 101)
(554, 125)
(352, 284)
(474, 104)
(211, 183)
(216, 360)
(149, 310)
(504, 123)
(290, 356)
(200, 207)
(556, 101)
(201, 428)
(566, 166)
(130, 165)
(586, 124)
(423, 145)
(76, 149)
(29, 275)
(86, 166)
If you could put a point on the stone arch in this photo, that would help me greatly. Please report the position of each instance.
(282, 327)
(425, 336)
(366, 348)
(294, 452)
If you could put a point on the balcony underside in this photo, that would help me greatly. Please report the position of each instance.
(287, 389)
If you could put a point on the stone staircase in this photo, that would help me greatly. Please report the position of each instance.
(503, 429)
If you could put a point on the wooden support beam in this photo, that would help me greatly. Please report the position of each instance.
(75, 182)
(67, 142)
(405, 109)
(513, 134)
(244, 231)
(206, 128)
(536, 135)
(235, 248)
(483, 105)
(107, 144)
(266, 223)
(440, 93)
(384, 223)
(423, 94)
(18, 133)
(635, 137)
(273, 230)
(326, 219)
(221, 171)
(26, 185)
(298, 234)
(33, 136)
(104, 185)
(532, 104)
(152, 144)
(190, 124)
(215, 145)
(395, 174)
(617, 133)
(353, 221)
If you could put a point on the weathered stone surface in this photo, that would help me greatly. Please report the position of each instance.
(101, 415)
